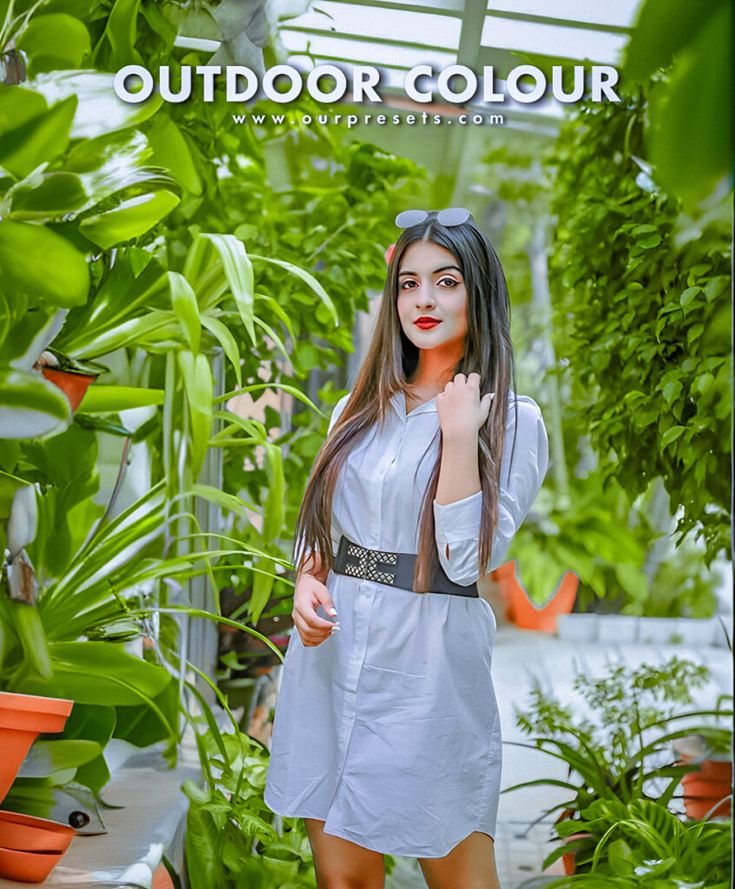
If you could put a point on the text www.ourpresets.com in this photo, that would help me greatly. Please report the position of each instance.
(353, 120)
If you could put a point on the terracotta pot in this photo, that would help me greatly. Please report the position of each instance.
(569, 858)
(702, 796)
(708, 789)
(22, 719)
(27, 867)
(526, 614)
(25, 833)
(73, 385)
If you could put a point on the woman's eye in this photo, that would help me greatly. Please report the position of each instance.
(449, 281)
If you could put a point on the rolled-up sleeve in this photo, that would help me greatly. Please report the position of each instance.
(457, 524)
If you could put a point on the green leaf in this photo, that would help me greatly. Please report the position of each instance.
(184, 302)
(662, 28)
(308, 278)
(39, 140)
(236, 266)
(26, 622)
(694, 332)
(121, 31)
(671, 391)
(692, 115)
(274, 507)
(97, 673)
(30, 405)
(55, 40)
(671, 435)
(27, 252)
(100, 399)
(688, 295)
(225, 501)
(47, 757)
(199, 386)
(99, 111)
(57, 193)
(130, 219)
(228, 342)
(171, 151)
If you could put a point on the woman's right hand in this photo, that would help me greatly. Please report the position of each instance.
(309, 593)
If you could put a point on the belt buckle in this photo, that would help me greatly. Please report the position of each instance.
(367, 564)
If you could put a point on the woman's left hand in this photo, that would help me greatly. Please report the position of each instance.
(461, 410)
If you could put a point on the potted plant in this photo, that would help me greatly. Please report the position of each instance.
(708, 789)
(640, 843)
(560, 551)
(623, 751)
(523, 611)
(71, 376)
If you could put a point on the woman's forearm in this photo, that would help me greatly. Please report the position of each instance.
(459, 473)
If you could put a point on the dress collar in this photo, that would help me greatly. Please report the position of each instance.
(398, 400)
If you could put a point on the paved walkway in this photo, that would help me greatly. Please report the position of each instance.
(519, 656)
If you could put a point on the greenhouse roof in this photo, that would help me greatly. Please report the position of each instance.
(397, 36)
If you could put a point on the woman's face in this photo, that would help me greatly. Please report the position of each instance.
(431, 285)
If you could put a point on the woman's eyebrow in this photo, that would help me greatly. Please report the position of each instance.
(443, 268)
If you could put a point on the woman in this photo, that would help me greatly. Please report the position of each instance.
(386, 736)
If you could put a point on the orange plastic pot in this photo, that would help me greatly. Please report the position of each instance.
(27, 867)
(526, 614)
(73, 385)
(703, 797)
(706, 791)
(569, 858)
(22, 719)
(25, 833)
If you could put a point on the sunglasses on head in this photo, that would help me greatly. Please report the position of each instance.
(450, 216)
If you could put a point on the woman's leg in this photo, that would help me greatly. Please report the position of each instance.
(469, 865)
(341, 864)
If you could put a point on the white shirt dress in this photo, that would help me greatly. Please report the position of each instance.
(388, 730)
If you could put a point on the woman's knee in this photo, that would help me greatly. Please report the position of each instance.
(342, 864)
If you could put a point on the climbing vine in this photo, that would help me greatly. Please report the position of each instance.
(641, 313)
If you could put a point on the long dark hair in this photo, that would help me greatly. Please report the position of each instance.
(390, 361)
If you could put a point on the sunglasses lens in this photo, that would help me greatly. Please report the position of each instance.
(453, 216)
(410, 217)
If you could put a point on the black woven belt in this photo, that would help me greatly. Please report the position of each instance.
(393, 569)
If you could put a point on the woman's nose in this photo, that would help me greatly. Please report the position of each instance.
(425, 296)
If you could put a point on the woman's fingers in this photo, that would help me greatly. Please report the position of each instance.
(311, 635)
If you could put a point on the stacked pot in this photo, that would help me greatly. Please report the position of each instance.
(29, 847)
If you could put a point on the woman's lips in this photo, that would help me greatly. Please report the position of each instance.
(426, 325)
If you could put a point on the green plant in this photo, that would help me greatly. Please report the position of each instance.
(640, 843)
(228, 814)
(617, 754)
(694, 51)
(681, 586)
(591, 537)
(642, 319)
(230, 838)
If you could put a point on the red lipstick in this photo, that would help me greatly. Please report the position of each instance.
(426, 323)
